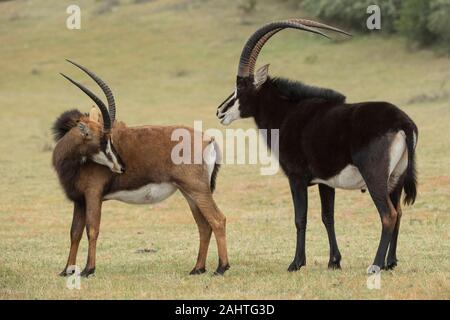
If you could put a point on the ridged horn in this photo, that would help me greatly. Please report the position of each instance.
(105, 114)
(256, 42)
(105, 88)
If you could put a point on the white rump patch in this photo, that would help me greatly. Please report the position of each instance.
(398, 159)
(350, 178)
(148, 194)
(210, 156)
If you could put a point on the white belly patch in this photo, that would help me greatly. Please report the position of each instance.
(148, 194)
(349, 178)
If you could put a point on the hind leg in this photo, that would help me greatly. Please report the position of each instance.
(391, 261)
(388, 215)
(373, 163)
(216, 219)
(205, 232)
(396, 181)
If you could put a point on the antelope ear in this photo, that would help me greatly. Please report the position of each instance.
(261, 75)
(93, 115)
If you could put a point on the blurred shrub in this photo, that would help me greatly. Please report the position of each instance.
(439, 21)
(426, 22)
(106, 6)
(413, 21)
(247, 6)
(352, 13)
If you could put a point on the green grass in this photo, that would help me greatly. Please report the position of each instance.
(173, 62)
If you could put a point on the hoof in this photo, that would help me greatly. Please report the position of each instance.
(373, 269)
(197, 271)
(334, 265)
(68, 271)
(87, 272)
(295, 266)
(64, 273)
(221, 270)
(390, 265)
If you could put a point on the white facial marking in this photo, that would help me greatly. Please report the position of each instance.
(232, 113)
(148, 194)
(116, 165)
(102, 159)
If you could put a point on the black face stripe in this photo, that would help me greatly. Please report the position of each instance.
(228, 105)
(118, 158)
(108, 156)
(103, 144)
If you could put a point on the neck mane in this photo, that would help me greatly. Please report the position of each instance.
(277, 98)
(67, 164)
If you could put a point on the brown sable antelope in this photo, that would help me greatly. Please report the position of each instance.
(327, 142)
(98, 158)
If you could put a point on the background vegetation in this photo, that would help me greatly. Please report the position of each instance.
(173, 62)
(422, 22)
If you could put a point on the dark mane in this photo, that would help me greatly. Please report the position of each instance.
(68, 170)
(65, 122)
(297, 91)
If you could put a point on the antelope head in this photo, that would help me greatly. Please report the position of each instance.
(91, 135)
(234, 107)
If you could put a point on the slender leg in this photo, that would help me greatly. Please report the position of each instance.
(327, 200)
(373, 164)
(217, 221)
(93, 213)
(76, 232)
(391, 261)
(205, 231)
(299, 191)
(388, 215)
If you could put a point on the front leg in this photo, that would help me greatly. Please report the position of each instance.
(327, 202)
(93, 214)
(76, 232)
(299, 190)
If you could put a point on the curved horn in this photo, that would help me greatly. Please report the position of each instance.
(245, 62)
(257, 49)
(106, 118)
(315, 24)
(261, 36)
(105, 88)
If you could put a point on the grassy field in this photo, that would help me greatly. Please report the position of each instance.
(174, 62)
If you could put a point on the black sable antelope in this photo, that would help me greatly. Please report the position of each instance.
(326, 141)
(86, 159)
